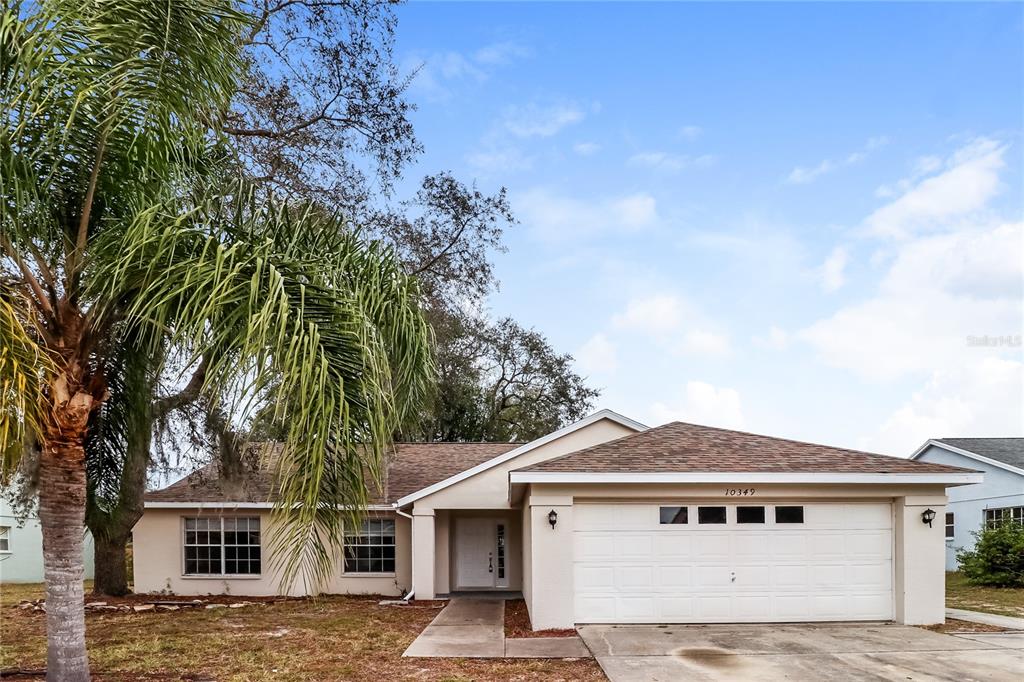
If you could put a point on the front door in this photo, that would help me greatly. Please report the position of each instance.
(475, 545)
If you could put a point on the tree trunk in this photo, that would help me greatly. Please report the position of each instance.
(62, 517)
(111, 564)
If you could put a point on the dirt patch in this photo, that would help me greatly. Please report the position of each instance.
(518, 626)
(329, 639)
(954, 625)
(1003, 601)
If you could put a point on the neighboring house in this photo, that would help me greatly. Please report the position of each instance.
(21, 548)
(603, 521)
(1001, 495)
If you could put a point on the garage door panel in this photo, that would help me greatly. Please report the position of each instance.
(837, 565)
(711, 546)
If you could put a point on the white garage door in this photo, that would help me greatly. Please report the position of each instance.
(722, 563)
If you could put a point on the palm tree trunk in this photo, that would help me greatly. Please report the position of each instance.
(62, 517)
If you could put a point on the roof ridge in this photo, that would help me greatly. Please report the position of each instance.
(782, 438)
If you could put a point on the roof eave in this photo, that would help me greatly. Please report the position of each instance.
(878, 478)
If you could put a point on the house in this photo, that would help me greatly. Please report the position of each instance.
(603, 521)
(1001, 495)
(21, 548)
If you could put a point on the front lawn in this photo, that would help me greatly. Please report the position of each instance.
(1004, 601)
(332, 638)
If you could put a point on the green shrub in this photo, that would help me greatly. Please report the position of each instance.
(998, 557)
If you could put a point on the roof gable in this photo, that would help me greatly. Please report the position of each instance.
(678, 447)
(1005, 453)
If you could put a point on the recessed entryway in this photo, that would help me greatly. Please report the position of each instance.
(481, 553)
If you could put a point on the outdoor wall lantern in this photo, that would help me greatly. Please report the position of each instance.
(927, 516)
(552, 517)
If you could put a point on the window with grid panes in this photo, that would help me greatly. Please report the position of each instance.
(223, 546)
(372, 548)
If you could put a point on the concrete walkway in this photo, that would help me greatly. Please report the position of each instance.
(1008, 622)
(475, 628)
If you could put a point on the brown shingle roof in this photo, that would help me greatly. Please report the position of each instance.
(679, 447)
(412, 467)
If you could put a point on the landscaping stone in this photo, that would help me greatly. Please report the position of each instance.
(139, 608)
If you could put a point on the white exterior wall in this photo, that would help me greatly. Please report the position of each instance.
(1001, 488)
(919, 587)
(158, 554)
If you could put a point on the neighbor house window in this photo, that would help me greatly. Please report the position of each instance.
(710, 514)
(993, 517)
(673, 515)
(949, 525)
(372, 548)
(789, 515)
(5, 538)
(222, 546)
(749, 514)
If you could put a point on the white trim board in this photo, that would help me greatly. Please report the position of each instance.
(966, 453)
(238, 505)
(511, 454)
(739, 477)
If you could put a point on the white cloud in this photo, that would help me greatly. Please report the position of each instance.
(586, 148)
(970, 179)
(690, 132)
(656, 314)
(977, 399)
(598, 355)
(502, 53)
(534, 120)
(499, 159)
(636, 210)
(436, 73)
(775, 339)
(663, 161)
(803, 175)
(673, 323)
(938, 291)
(702, 403)
(557, 218)
(704, 342)
(832, 270)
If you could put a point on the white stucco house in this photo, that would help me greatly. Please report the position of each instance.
(603, 521)
(1000, 495)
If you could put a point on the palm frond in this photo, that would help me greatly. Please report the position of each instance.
(333, 340)
(23, 368)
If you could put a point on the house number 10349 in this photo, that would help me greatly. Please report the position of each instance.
(743, 492)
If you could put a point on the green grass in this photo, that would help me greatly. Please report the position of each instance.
(1003, 601)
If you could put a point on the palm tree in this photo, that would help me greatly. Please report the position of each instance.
(121, 239)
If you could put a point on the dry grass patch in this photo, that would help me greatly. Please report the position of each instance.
(954, 625)
(1003, 601)
(331, 638)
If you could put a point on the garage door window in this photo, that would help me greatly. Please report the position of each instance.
(789, 515)
(710, 514)
(749, 514)
(674, 515)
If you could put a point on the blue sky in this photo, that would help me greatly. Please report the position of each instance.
(801, 220)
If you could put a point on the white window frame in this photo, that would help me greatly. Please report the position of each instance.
(5, 538)
(1015, 514)
(950, 525)
(223, 554)
(371, 574)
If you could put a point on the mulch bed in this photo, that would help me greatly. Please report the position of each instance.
(518, 626)
(954, 625)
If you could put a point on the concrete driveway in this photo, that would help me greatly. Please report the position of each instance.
(668, 653)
